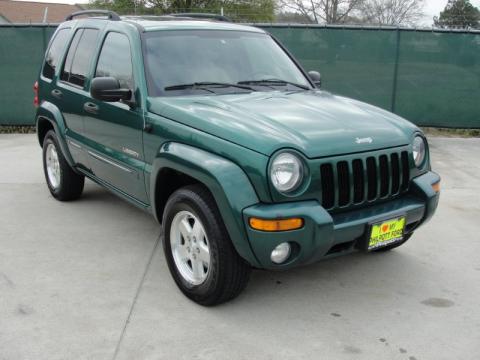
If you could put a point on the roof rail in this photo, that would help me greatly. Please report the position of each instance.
(202, 16)
(111, 15)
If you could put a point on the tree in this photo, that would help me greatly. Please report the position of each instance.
(238, 10)
(288, 17)
(323, 11)
(119, 6)
(458, 14)
(392, 12)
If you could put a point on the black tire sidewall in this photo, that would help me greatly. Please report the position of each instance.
(183, 200)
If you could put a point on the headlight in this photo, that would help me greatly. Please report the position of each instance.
(419, 150)
(286, 172)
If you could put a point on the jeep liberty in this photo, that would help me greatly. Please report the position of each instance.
(218, 132)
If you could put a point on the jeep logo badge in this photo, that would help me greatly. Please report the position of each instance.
(367, 140)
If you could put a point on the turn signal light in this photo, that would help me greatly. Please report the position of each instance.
(436, 187)
(276, 225)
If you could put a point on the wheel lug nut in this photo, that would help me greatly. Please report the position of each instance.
(198, 250)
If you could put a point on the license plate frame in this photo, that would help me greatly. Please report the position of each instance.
(376, 229)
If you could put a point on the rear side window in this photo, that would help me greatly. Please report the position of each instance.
(79, 57)
(116, 60)
(55, 52)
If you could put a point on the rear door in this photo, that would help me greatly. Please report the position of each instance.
(113, 130)
(70, 89)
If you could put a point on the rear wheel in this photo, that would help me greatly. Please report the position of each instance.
(64, 184)
(199, 252)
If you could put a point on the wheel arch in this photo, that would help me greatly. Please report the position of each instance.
(178, 165)
(44, 125)
(48, 117)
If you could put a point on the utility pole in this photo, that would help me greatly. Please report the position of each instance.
(45, 15)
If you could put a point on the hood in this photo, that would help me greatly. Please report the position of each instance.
(315, 123)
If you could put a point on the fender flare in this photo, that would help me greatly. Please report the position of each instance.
(222, 177)
(49, 112)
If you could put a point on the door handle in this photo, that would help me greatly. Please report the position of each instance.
(147, 127)
(57, 93)
(90, 108)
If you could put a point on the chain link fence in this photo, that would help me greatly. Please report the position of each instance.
(430, 77)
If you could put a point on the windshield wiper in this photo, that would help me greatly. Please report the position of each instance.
(273, 82)
(204, 85)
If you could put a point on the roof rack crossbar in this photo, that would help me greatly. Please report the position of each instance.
(111, 15)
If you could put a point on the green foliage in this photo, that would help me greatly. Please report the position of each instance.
(119, 6)
(459, 14)
(288, 17)
(237, 10)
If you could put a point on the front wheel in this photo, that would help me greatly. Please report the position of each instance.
(199, 252)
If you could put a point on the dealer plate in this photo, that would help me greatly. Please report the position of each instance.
(386, 232)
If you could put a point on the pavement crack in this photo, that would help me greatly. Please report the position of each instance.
(135, 298)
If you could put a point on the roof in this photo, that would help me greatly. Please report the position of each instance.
(34, 12)
(172, 23)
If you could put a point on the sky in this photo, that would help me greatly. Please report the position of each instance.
(432, 7)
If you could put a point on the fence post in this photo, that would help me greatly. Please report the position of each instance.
(44, 39)
(395, 71)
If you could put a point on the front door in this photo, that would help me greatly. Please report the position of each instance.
(113, 130)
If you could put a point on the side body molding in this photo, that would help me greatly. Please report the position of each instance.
(227, 182)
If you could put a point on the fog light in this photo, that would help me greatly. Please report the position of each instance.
(436, 187)
(280, 253)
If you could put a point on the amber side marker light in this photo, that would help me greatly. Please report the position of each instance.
(436, 187)
(276, 225)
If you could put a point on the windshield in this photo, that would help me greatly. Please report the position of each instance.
(208, 61)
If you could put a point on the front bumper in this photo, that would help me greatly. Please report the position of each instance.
(326, 235)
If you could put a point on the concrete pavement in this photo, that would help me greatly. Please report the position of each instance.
(88, 280)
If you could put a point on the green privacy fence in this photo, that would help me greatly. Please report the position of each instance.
(429, 77)
(21, 52)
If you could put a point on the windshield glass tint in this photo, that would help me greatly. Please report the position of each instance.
(186, 57)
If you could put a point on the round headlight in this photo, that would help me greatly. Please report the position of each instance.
(419, 150)
(286, 172)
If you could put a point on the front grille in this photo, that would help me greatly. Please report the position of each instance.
(364, 180)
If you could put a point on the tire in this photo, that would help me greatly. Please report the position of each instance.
(394, 246)
(225, 274)
(64, 184)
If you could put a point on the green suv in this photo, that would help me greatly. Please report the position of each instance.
(218, 132)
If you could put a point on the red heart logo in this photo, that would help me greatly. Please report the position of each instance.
(384, 228)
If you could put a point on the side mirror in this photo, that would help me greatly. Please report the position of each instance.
(108, 89)
(316, 78)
